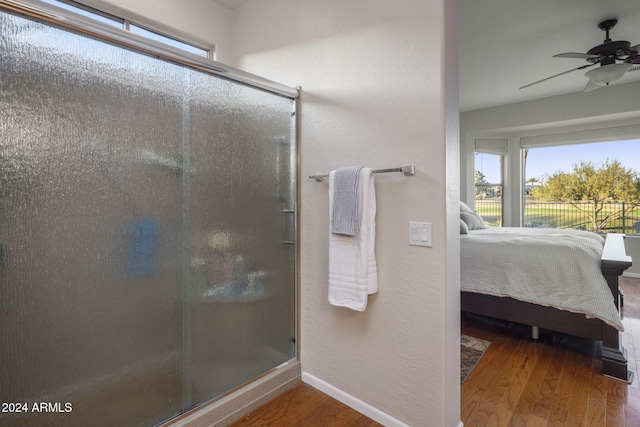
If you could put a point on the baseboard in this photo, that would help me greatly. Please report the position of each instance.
(631, 274)
(357, 404)
(235, 405)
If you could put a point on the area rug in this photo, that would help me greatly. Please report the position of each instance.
(471, 351)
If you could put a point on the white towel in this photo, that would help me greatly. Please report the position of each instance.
(353, 273)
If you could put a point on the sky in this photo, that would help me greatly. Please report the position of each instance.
(547, 160)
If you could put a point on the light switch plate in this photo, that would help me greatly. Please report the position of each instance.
(420, 234)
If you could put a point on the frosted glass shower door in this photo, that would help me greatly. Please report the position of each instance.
(90, 230)
(146, 231)
(242, 155)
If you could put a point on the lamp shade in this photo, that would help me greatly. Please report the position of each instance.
(609, 73)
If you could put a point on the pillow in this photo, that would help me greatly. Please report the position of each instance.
(464, 229)
(465, 208)
(474, 220)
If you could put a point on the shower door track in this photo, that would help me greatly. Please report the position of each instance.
(65, 18)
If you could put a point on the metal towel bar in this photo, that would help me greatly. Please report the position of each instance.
(409, 170)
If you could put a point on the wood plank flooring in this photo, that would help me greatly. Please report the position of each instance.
(557, 382)
(305, 406)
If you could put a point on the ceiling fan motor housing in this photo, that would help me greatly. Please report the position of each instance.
(611, 51)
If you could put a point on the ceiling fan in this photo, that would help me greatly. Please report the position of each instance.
(615, 59)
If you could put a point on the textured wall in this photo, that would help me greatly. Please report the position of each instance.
(373, 93)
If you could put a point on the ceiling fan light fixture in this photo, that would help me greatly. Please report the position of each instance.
(609, 73)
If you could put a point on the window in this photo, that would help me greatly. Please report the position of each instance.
(489, 157)
(168, 40)
(90, 13)
(130, 26)
(561, 189)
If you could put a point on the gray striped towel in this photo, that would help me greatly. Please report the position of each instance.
(344, 216)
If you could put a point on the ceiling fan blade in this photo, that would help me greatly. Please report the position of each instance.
(576, 55)
(590, 87)
(634, 56)
(560, 74)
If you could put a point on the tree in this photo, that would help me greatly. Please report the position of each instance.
(531, 183)
(482, 186)
(596, 186)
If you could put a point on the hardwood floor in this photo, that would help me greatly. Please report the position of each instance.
(305, 406)
(557, 382)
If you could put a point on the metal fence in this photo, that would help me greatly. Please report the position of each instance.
(565, 215)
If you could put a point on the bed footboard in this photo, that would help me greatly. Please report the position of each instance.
(613, 263)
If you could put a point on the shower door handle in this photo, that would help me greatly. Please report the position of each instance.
(288, 240)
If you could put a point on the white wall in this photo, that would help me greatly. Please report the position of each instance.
(373, 93)
(632, 245)
(199, 21)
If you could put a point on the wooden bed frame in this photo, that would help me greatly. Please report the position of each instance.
(614, 356)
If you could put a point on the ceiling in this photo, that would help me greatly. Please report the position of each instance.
(506, 44)
(231, 4)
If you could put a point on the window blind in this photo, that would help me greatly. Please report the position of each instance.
(618, 133)
(491, 146)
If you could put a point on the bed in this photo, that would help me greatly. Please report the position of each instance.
(560, 280)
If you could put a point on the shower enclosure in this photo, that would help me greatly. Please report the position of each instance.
(147, 230)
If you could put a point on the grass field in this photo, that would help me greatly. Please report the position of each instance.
(561, 215)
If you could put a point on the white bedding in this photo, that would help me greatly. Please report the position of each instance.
(550, 267)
